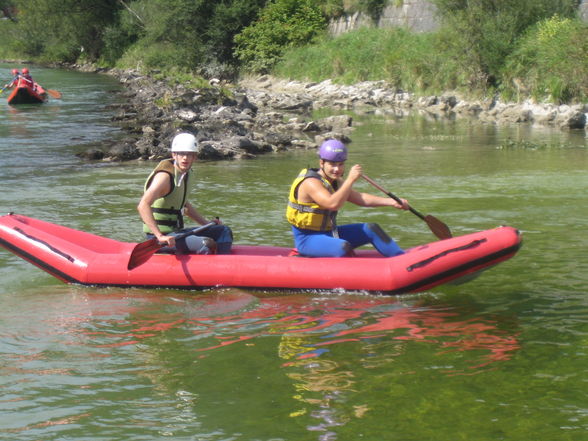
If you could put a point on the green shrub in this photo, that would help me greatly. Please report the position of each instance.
(483, 33)
(282, 24)
(404, 59)
(8, 49)
(156, 56)
(62, 29)
(550, 62)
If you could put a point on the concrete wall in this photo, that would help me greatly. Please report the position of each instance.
(415, 15)
(583, 10)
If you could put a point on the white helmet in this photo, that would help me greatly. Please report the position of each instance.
(184, 142)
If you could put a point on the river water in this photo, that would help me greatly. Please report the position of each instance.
(503, 357)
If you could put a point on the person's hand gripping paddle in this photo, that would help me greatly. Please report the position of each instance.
(144, 250)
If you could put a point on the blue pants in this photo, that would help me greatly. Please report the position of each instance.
(221, 235)
(323, 244)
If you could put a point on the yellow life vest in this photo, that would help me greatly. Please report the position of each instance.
(310, 216)
(167, 210)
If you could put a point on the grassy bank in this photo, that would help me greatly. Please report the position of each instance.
(549, 63)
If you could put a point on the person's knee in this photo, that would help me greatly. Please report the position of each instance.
(199, 245)
(345, 250)
(348, 249)
(377, 230)
(225, 241)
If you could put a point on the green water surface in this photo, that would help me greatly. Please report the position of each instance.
(503, 357)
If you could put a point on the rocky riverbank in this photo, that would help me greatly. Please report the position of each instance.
(265, 114)
(226, 122)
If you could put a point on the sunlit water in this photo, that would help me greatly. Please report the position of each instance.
(501, 358)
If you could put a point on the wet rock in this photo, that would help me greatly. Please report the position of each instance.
(92, 154)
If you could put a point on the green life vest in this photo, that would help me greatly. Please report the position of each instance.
(167, 210)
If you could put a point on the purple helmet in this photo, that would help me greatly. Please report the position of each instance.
(333, 150)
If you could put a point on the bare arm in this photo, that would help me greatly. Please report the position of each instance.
(196, 216)
(370, 200)
(312, 190)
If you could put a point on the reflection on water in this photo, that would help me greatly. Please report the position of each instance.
(310, 327)
(326, 346)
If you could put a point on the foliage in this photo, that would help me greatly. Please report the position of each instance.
(7, 38)
(123, 34)
(398, 56)
(194, 33)
(515, 47)
(63, 29)
(483, 32)
(7, 9)
(551, 62)
(331, 8)
(282, 24)
(373, 8)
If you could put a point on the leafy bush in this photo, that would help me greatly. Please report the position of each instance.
(62, 29)
(283, 24)
(8, 49)
(550, 62)
(483, 33)
(398, 56)
(196, 34)
(157, 55)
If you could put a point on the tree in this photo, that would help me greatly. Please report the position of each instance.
(64, 28)
(282, 24)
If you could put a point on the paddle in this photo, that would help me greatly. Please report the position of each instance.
(438, 228)
(144, 250)
(54, 93)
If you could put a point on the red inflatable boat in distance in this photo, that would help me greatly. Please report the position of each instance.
(26, 93)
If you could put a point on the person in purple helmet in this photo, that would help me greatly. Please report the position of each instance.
(317, 194)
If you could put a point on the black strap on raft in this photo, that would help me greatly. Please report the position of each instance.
(51, 247)
(425, 262)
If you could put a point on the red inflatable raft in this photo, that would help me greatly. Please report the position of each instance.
(82, 258)
(26, 93)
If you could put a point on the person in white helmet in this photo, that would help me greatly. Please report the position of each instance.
(165, 201)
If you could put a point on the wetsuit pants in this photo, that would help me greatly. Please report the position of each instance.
(323, 244)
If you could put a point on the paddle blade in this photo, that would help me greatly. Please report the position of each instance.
(438, 228)
(143, 252)
(54, 93)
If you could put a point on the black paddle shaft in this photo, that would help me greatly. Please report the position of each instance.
(412, 210)
(438, 228)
